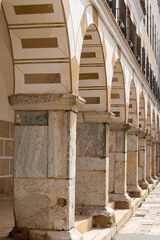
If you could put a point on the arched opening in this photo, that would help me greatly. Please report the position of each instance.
(92, 75)
(92, 157)
(157, 128)
(148, 118)
(142, 112)
(6, 130)
(153, 124)
(118, 141)
(132, 112)
(118, 105)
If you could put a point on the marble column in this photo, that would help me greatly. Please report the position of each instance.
(132, 163)
(118, 157)
(153, 159)
(148, 160)
(44, 164)
(92, 167)
(142, 161)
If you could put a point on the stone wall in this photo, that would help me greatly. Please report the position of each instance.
(6, 157)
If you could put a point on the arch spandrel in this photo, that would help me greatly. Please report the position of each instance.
(41, 55)
(142, 121)
(148, 118)
(132, 109)
(118, 98)
(92, 76)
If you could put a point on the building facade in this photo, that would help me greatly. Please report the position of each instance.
(80, 89)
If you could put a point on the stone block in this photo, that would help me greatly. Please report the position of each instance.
(121, 139)
(120, 177)
(111, 161)
(1, 148)
(112, 141)
(132, 168)
(120, 157)
(91, 188)
(62, 144)
(72, 234)
(111, 181)
(92, 163)
(140, 174)
(9, 148)
(4, 167)
(91, 139)
(4, 129)
(30, 151)
(132, 143)
(6, 186)
(44, 203)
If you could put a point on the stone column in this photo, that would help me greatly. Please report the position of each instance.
(142, 161)
(148, 160)
(153, 161)
(157, 158)
(44, 164)
(132, 163)
(118, 162)
(92, 163)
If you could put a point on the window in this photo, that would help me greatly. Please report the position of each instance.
(143, 60)
(122, 16)
(112, 5)
(138, 56)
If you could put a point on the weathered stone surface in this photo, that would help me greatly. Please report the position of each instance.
(120, 177)
(102, 216)
(30, 151)
(134, 191)
(31, 118)
(62, 144)
(44, 203)
(91, 188)
(132, 168)
(72, 234)
(91, 163)
(91, 140)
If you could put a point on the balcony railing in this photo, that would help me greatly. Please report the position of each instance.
(129, 31)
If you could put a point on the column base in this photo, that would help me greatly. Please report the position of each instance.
(25, 234)
(155, 177)
(122, 201)
(144, 184)
(134, 191)
(150, 180)
(102, 216)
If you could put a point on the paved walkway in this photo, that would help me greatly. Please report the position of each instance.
(145, 222)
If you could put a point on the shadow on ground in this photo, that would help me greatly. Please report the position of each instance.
(131, 236)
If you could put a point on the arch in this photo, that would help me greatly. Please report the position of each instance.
(142, 112)
(132, 111)
(148, 118)
(157, 128)
(92, 76)
(118, 98)
(41, 56)
(153, 131)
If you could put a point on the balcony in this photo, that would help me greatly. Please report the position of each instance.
(128, 29)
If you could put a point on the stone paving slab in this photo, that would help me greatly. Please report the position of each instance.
(145, 222)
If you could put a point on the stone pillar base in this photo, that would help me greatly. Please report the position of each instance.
(122, 201)
(144, 184)
(150, 180)
(134, 191)
(25, 234)
(102, 216)
(155, 177)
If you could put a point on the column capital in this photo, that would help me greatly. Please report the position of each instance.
(120, 127)
(96, 117)
(137, 131)
(58, 102)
